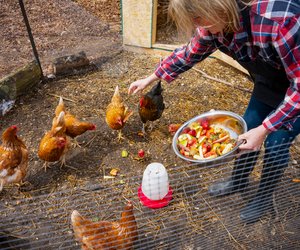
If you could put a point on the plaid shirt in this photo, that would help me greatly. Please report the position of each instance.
(275, 27)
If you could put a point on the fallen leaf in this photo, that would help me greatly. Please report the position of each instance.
(114, 172)
(124, 153)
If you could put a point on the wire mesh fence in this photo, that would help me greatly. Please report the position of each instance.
(193, 219)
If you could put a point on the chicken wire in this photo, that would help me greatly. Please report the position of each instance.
(59, 28)
(192, 220)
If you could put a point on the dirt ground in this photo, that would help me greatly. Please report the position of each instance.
(62, 27)
(59, 28)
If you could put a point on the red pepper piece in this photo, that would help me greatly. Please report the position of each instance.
(205, 124)
(192, 132)
(186, 130)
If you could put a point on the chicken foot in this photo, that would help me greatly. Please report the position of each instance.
(63, 163)
(120, 135)
(75, 143)
(143, 128)
(46, 165)
(145, 125)
(151, 126)
(22, 183)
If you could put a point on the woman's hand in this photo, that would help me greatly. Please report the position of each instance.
(139, 85)
(254, 138)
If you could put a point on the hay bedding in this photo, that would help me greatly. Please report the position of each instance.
(51, 196)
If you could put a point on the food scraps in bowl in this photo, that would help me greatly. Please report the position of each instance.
(201, 140)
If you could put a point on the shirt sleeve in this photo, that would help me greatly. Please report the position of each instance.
(287, 45)
(182, 59)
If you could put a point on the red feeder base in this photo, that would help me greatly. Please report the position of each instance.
(155, 203)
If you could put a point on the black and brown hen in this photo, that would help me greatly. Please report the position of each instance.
(151, 105)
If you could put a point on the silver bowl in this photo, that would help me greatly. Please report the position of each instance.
(230, 121)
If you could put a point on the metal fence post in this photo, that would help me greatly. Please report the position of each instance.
(30, 34)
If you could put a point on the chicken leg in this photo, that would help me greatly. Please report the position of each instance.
(46, 165)
(1, 184)
(120, 137)
(144, 128)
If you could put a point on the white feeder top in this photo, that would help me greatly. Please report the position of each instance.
(155, 183)
(155, 169)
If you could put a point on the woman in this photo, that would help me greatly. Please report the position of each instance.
(264, 37)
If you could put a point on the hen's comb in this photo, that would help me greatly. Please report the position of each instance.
(14, 127)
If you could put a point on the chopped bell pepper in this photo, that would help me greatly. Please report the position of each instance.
(215, 146)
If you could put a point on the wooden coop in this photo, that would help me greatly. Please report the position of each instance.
(146, 28)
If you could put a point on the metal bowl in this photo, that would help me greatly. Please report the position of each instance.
(229, 121)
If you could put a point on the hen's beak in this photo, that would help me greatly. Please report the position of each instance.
(119, 121)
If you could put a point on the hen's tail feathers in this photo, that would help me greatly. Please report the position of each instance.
(61, 101)
(76, 218)
(80, 225)
(129, 206)
(127, 214)
(156, 89)
(60, 107)
(59, 122)
(77, 221)
(117, 90)
(116, 97)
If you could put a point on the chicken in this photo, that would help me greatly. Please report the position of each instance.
(151, 105)
(117, 113)
(74, 127)
(54, 144)
(104, 235)
(13, 158)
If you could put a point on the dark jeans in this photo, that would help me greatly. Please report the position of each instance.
(277, 146)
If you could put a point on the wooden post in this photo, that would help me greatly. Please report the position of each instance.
(19, 81)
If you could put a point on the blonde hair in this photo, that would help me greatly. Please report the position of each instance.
(182, 13)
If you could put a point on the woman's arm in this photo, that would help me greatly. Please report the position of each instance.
(287, 45)
(139, 85)
(181, 60)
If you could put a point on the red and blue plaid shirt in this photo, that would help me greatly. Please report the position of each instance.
(275, 27)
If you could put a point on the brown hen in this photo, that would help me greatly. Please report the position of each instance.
(55, 143)
(104, 235)
(117, 113)
(13, 158)
(74, 127)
